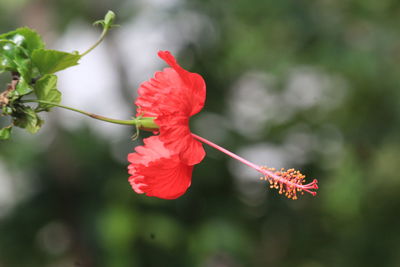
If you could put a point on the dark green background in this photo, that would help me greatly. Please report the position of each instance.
(73, 206)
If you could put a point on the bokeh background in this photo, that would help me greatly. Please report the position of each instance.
(307, 84)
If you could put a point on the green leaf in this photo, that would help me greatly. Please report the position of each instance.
(46, 89)
(8, 52)
(50, 61)
(5, 133)
(13, 58)
(15, 50)
(26, 38)
(27, 118)
(23, 88)
(24, 68)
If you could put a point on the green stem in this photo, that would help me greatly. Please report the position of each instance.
(102, 36)
(145, 123)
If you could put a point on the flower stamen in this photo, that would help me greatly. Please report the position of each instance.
(288, 182)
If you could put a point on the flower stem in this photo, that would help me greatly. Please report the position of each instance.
(145, 123)
(102, 36)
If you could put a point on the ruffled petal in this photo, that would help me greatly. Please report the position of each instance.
(157, 171)
(171, 90)
(176, 135)
(195, 87)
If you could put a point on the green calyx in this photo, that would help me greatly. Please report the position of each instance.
(146, 123)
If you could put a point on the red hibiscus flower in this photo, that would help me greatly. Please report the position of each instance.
(163, 166)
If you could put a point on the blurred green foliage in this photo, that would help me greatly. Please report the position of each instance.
(82, 212)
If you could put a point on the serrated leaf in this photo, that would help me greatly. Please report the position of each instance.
(23, 88)
(46, 89)
(13, 58)
(24, 68)
(8, 52)
(25, 37)
(28, 119)
(5, 133)
(50, 61)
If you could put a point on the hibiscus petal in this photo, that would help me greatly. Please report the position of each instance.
(176, 135)
(195, 86)
(157, 171)
(171, 90)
